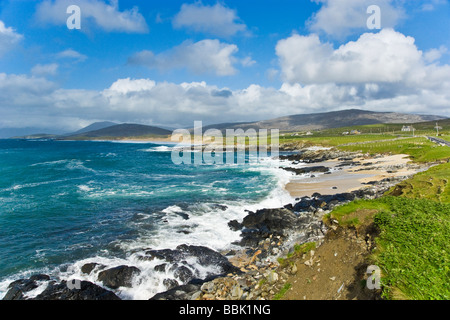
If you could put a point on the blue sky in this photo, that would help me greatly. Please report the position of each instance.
(172, 62)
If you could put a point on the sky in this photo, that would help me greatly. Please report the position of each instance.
(169, 62)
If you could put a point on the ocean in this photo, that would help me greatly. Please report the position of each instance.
(67, 203)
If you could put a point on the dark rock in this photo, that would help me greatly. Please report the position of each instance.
(183, 292)
(57, 291)
(207, 257)
(263, 223)
(314, 156)
(235, 225)
(160, 267)
(89, 267)
(182, 273)
(19, 288)
(121, 276)
(40, 277)
(185, 216)
(270, 220)
(308, 169)
(87, 291)
(168, 255)
(170, 283)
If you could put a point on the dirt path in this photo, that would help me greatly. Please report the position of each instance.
(336, 270)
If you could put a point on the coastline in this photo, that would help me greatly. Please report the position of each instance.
(267, 240)
(253, 272)
(347, 177)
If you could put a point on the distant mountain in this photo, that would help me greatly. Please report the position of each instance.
(36, 136)
(93, 127)
(17, 133)
(328, 120)
(121, 131)
(294, 123)
(30, 133)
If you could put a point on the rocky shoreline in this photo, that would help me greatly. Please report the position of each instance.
(252, 273)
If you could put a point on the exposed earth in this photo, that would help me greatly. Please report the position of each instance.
(336, 270)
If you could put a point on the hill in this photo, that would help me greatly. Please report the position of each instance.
(121, 131)
(93, 127)
(329, 120)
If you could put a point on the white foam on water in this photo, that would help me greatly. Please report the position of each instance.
(201, 224)
(158, 149)
(84, 188)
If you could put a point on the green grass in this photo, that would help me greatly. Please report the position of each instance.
(351, 213)
(334, 140)
(282, 291)
(299, 250)
(419, 149)
(412, 248)
(432, 184)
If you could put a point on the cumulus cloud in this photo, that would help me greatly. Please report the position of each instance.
(179, 105)
(216, 20)
(382, 71)
(205, 56)
(8, 38)
(387, 56)
(340, 18)
(106, 16)
(128, 85)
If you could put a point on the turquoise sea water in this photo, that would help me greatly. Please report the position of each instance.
(65, 203)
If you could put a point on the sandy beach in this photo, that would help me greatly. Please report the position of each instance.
(349, 178)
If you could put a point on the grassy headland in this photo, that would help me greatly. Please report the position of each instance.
(412, 219)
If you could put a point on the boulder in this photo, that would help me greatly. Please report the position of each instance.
(19, 288)
(271, 220)
(87, 291)
(120, 276)
(205, 257)
(184, 292)
(89, 267)
(57, 291)
(308, 169)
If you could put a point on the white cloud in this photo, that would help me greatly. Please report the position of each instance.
(434, 54)
(380, 72)
(205, 56)
(215, 20)
(107, 16)
(247, 62)
(71, 54)
(43, 70)
(340, 18)
(387, 56)
(8, 38)
(128, 85)
(179, 105)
